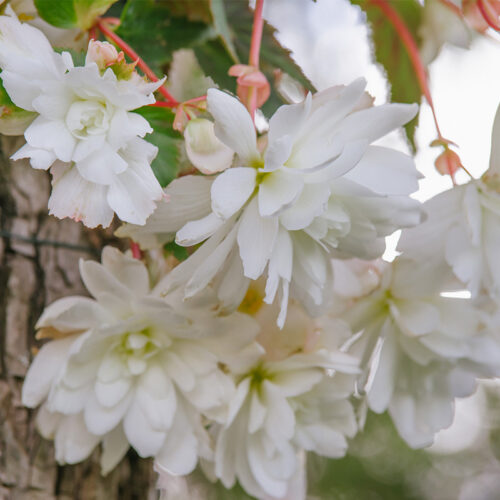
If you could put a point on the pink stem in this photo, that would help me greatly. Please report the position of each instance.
(253, 60)
(135, 57)
(258, 27)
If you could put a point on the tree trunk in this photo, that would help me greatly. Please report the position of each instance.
(39, 264)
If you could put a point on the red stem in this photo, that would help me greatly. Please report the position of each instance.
(135, 57)
(163, 104)
(412, 49)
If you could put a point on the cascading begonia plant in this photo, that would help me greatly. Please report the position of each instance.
(280, 327)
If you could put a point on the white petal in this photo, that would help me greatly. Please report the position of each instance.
(100, 419)
(72, 196)
(277, 191)
(73, 442)
(55, 102)
(280, 264)
(204, 150)
(385, 171)
(416, 317)
(179, 453)
(495, 145)
(233, 125)
(52, 136)
(211, 265)
(289, 119)
(375, 122)
(129, 271)
(39, 158)
(382, 386)
(198, 230)
(114, 448)
(256, 237)
(43, 369)
(103, 285)
(311, 203)
(186, 199)
(102, 166)
(231, 190)
(73, 314)
(132, 198)
(277, 153)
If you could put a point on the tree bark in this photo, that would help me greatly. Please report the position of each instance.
(39, 257)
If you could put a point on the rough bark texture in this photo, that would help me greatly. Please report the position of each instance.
(33, 273)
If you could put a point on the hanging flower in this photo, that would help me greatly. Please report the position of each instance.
(419, 350)
(84, 121)
(467, 218)
(318, 190)
(128, 368)
(287, 401)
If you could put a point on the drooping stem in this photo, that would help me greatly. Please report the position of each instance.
(130, 52)
(253, 60)
(258, 27)
(413, 53)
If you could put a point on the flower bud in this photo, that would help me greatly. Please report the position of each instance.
(102, 53)
(448, 162)
(248, 77)
(204, 150)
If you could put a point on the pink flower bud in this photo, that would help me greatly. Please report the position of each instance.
(102, 53)
(248, 76)
(448, 162)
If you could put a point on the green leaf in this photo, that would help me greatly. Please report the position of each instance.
(180, 253)
(186, 79)
(60, 13)
(222, 28)
(390, 52)
(156, 34)
(211, 12)
(13, 120)
(87, 11)
(216, 63)
(170, 143)
(72, 13)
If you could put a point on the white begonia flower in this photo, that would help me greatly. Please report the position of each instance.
(85, 121)
(130, 368)
(467, 220)
(420, 350)
(204, 150)
(441, 24)
(286, 402)
(318, 190)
